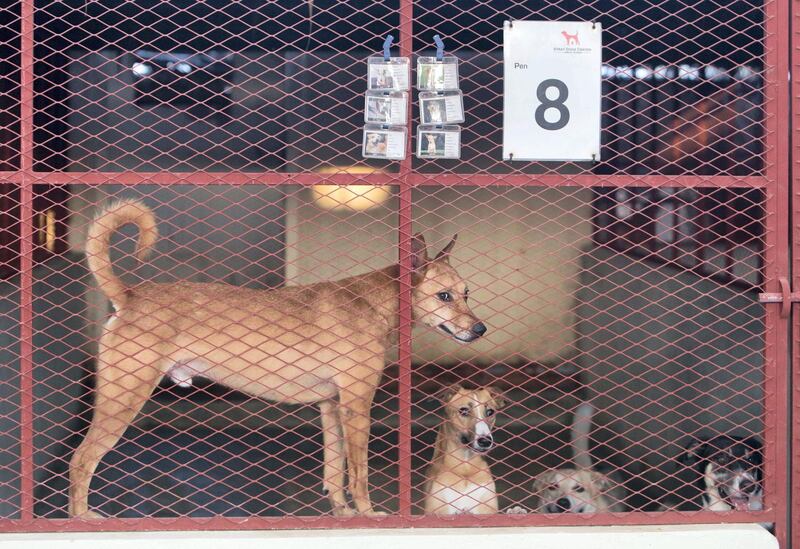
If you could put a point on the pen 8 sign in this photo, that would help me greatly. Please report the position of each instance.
(551, 102)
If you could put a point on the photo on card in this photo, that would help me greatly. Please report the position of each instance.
(441, 107)
(381, 77)
(386, 107)
(430, 77)
(439, 142)
(379, 109)
(376, 143)
(391, 75)
(387, 142)
(432, 143)
(433, 74)
(433, 111)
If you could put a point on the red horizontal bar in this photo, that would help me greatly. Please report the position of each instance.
(416, 179)
(391, 521)
(215, 178)
(589, 180)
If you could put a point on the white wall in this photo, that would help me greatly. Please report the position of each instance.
(518, 249)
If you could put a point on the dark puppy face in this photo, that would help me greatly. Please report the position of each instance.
(733, 466)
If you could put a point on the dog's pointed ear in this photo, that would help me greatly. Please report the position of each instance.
(419, 252)
(754, 443)
(756, 447)
(695, 450)
(445, 394)
(500, 399)
(601, 481)
(445, 253)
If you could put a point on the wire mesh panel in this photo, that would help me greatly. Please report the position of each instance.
(309, 344)
(662, 350)
(206, 450)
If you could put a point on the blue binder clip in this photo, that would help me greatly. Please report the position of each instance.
(439, 47)
(386, 45)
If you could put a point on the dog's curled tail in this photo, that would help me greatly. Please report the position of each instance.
(579, 434)
(98, 243)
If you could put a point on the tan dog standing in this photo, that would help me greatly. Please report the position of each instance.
(321, 343)
(459, 480)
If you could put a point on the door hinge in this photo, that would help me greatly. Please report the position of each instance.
(785, 297)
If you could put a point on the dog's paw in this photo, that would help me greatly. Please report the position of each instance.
(344, 511)
(89, 515)
(373, 513)
(517, 510)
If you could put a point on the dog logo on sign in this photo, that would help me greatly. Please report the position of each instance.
(572, 39)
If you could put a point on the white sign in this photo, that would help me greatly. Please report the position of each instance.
(551, 108)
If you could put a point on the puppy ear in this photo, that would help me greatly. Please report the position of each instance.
(447, 393)
(601, 481)
(445, 253)
(756, 446)
(754, 443)
(499, 398)
(539, 484)
(419, 252)
(694, 452)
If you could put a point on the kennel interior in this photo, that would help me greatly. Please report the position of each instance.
(631, 283)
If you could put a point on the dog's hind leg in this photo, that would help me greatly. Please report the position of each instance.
(355, 401)
(333, 452)
(122, 389)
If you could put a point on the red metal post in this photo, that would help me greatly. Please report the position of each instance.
(777, 261)
(26, 262)
(794, 445)
(492, 176)
(405, 218)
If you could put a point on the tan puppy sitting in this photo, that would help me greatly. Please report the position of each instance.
(459, 479)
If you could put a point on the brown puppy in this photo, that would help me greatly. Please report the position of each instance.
(459, 479)
(320, 343)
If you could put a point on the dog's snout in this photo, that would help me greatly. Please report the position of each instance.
(479, 328)
(485, 441)
(563, 504)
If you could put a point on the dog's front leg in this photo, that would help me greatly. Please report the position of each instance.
(333, 452)
(355, 401)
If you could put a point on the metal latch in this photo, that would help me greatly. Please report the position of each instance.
(786, 297)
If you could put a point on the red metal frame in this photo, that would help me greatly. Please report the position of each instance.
(774, 182)
(777, 261)
(414, 179)
(793, 470)
(404, 243)
(26, 264)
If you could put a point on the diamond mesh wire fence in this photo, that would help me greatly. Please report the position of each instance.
(306, 344)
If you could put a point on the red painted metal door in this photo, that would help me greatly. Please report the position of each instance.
(630, 283)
